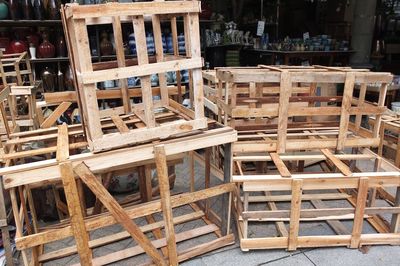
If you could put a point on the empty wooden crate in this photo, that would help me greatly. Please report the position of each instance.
(139, 17)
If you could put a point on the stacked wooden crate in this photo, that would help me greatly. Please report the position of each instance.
(150, 134)
(274, 110)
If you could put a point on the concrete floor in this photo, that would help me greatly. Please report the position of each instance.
(232, 255)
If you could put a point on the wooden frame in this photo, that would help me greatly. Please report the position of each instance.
(66, 167)
(271, 101)
(355, 178)
(75, 21)
(20, 66)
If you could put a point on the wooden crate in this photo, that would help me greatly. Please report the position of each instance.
(16, 69)
(76, 20)
(76, 170)
(340, 196)
(274, 108)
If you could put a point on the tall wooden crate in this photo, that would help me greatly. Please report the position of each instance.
(77, 18)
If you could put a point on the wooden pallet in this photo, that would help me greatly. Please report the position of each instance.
(272, 106)
(285, 200)
(77, 18)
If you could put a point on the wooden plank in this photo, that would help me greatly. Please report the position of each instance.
(361, 99)
(280, 226)
(395, 221)
(337, 162)
(77, 223)
(295, 207)
(141, 47)
(62, 143)
(163, 182)
(131, 9)
(193, 40)
(120, 124)
(52, 118)
(285, 93)
(117, 212)
(160, 57)
(381, 102)
(121, 62)
(346, 105)
(280, 165)
(359, 212)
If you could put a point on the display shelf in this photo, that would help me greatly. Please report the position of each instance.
(29, 23)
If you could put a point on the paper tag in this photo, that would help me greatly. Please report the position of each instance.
(306, 36)
(260, 28)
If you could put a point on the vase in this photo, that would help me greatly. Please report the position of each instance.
(34, 38)
(46, 49)
(61, 47)
(48, 79)
(60, 80)
(14, 9)
(3, 9)
(53, 9)
(106, 47)
(69, 79)
(17, 46)
(27, 12)
(38, 9)
(32, 50)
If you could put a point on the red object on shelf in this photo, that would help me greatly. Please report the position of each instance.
(17, 46)
(46, 49)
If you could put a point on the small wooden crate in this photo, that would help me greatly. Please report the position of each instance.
(76, 20)
(342, 198)
(14, 68)
(274, 108)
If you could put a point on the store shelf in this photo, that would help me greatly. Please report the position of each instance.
(29, 23)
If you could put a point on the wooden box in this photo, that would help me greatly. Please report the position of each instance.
(275, 108)
(141, 17)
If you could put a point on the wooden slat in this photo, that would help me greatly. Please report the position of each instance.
(359, 212)
(117, 212)
(280, 165)
(141, 48)
(163, 182)
(295, 208)
(160, 57)
(62, 143)
(346, 104)
(121, 62)
(120, 124)
(337, 162)
(285, 93)
(52, 118)
(75, 212)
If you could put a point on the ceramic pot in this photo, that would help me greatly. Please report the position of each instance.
(106, 47)
(49, 79)
(27, 9)
(38, 9)
(46, 49)
(61, 47)
(34, 38)
(3, 9)
(53, 9)
(69, 79)
(60, 80)
(17, 46)
(14, 9)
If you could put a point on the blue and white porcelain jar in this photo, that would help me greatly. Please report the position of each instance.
(181, 43)
(170, 44)
(185, 76)
(150, 44)
(164, 43)
(132, 43)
